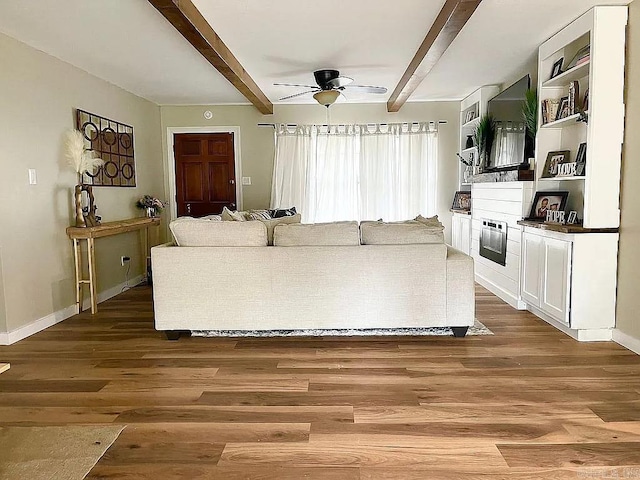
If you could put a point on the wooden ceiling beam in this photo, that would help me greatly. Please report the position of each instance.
(450, 21)
(186, 18)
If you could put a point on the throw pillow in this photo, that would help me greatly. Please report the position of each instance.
(279, 213)
(232, 215)
(212, 218)
(258, 215)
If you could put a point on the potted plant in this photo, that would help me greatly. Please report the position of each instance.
(152, 206)
(484, 136)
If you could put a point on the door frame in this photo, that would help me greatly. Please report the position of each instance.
(171, 161)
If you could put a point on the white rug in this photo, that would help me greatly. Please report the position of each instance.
(477, 329)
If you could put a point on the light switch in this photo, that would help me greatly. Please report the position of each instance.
(246, 180)
(33, 178)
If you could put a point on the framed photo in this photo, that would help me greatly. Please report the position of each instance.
(557, 68)
(462, 201)
(545, 201)
(563, 109)
(554, 159)
(572, 218)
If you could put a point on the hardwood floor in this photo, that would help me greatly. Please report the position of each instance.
(526, 403)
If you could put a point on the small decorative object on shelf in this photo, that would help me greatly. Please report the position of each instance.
(462, 201)
(582, 56)
(574, 93)
(585, 101)
(555, 216)
(152, 206)
(82, 160)
(550, 109)
(469, 143)
(573, 218)
(547, 201)
(557, 68)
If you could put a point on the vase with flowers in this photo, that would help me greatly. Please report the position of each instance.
(151, 205)
(83, 160)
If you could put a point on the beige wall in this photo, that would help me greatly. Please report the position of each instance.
(39, 94)
(628, 316)
(257, 143)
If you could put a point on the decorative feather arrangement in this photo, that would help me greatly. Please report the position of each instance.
(81, 159)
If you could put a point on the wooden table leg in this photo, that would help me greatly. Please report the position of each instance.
(145, 250)
(91, 253)
(77, 257)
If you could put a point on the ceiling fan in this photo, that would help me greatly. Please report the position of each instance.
(330, 86)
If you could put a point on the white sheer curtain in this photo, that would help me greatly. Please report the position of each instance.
(356, 172)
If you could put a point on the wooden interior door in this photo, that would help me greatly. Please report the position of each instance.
(205, 173)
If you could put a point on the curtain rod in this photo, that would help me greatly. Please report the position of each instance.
(441, 122)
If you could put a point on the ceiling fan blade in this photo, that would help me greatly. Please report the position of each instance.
(298, 94)
(339, 82)
(368, 88)
(294, 85)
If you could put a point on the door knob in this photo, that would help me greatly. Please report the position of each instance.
(188, 208)
(232, 181)
(232, 205)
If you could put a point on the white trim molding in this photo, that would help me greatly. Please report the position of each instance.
(626, 340)
(9, 338)
(171, 161)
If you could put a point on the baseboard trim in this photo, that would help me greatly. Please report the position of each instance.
(626, 340)
(9, 338)
(498, 291)
(584, 335)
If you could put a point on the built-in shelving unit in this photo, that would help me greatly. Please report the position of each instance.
(472, 109)
(568, 273)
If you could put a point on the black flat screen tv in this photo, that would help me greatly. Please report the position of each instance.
(511, 145)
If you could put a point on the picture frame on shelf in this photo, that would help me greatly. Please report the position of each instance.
(557, 68)
(462, 201)
(581, 160)
(545, 201)
(572, 219)
(554, 159)
(563, 109)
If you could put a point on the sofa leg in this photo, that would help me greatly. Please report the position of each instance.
(459, 332)
(172, 334)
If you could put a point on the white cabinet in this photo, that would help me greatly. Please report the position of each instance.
(461, 232)
(556, 277)
(546, 275)
(531, 267)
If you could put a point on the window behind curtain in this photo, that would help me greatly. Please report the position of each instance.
(356, 172)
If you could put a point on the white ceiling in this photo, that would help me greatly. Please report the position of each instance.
(128, 43)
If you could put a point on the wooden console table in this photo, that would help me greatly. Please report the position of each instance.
(103, 230)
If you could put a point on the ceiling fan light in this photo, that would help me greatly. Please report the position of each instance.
(326, 97)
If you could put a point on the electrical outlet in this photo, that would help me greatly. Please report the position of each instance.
(124, 259)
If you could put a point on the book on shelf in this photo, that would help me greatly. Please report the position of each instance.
(550, 110)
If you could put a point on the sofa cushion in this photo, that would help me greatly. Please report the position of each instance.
(430, 221)
(206, 233)
(399, 233)
(336, 233)
(273, 222)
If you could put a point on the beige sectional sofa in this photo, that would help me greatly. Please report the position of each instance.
(225, 276)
